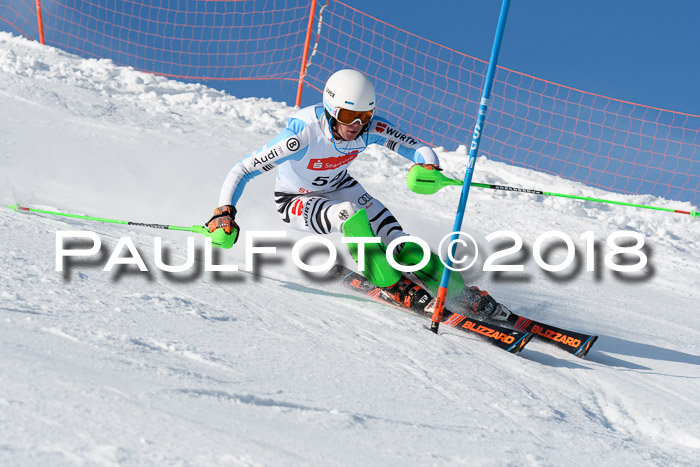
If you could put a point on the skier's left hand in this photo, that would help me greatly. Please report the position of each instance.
(431, 167)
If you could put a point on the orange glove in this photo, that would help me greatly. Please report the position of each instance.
(431, 167)
(223, 218)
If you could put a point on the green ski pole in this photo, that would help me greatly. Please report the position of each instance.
(426, 182)
(219, 238)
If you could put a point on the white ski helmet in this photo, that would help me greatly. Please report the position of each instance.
(348, 89)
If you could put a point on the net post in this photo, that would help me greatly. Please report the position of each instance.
(307, 41)
(39, 20)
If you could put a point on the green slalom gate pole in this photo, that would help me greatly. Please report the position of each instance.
(474, 149)
(426, 182)
(693, 213)
(218, 238)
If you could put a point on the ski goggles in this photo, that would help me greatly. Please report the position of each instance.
(348, 117)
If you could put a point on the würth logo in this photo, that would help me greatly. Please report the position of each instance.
(381, 127)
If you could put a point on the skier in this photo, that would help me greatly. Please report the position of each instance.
(314, 191)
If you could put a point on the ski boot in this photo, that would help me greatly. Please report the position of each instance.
(482, 305)
(408, 294)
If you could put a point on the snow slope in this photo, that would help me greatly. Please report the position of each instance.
(273, 368)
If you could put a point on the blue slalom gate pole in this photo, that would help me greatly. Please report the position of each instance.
(473, 151)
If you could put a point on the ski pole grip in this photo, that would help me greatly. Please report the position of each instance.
(426, 181)
(219, 238)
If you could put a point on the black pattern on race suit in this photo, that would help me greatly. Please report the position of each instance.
(344, 181)
(384, 222)
(305, 212)
(285, 201)
(325, 212)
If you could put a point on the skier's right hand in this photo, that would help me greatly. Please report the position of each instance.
(223, 218)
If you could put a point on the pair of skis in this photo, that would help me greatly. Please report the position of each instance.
(511, 335)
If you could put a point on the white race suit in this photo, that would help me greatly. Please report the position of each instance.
(314, 191)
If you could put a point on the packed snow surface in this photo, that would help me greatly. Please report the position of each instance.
(271, 366)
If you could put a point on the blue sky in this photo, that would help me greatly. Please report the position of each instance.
(643, 51)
